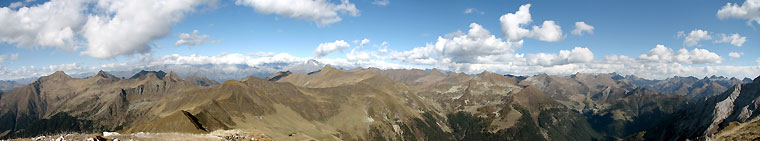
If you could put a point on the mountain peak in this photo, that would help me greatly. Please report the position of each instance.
(313, 62)
(488, 74)
(172, 76)
(757, 80)
(104, 74)
(58, 75)
(328, 68)
(160, 74)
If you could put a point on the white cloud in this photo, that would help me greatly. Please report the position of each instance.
(511, 23)
(735, 39)
(469, 10)
(16, 4)
(33, 71)
(129, 27)
(326, 48)
(229, 62)
(320, 11)
(512, 27)
(758, 61)
(193, 39)
(473, 10)
(261, 54)
(693, 38)
(477, 46)
(664, 54)
(364, 41)
(381, 2)
(735, 54)
(225, 59)
(577, 55)
(31, 27)
(360, 54)
(581, 27)
(549, 31)
(383, 48)
(750, 10)
(8, 57)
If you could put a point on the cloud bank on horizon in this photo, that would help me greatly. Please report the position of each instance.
(109, 29)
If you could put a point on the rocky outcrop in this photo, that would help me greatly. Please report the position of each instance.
(160, 74)
(278, 75)
(705, 118)
(103, 74)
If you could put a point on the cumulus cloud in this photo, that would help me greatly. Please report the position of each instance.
(664, 54)
(735, 54)
(693, 38)
(381, 2)
(734, 39)
(30, 27)
(577, 55)
(581, 27)
(326, 48)
(8, 57)
(129, 27)
(512, 27)
(111, 28)
(511, 23)
(549, 31)
(750, 11)
(193, 39)
(320, 11)
(477, 46)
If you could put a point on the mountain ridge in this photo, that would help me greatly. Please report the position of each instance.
(354, 104)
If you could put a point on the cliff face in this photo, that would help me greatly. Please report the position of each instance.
(705, 118)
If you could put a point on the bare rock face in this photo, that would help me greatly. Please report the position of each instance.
(278, 75)
(723, 109)
(104, 74)
(739, 105)
(143, 73)
(706, 118)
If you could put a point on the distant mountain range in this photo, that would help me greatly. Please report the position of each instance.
(691, 86)
(373, 104)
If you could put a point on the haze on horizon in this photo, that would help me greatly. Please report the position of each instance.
(649, 39)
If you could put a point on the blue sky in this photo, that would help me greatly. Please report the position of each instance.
(627, 28)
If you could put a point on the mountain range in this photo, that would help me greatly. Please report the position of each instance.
(393, 104)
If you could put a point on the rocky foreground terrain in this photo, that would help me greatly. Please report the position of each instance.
(374, 104)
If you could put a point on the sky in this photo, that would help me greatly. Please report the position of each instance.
(650, 39)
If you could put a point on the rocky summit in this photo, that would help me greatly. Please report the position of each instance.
(375, 104)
